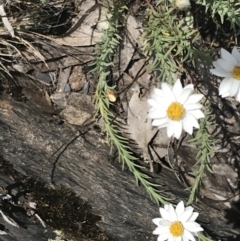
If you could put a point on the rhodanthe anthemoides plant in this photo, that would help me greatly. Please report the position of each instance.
(203, 140)
(105, 50)
(177, 224)
(175, 108)
(228, 66)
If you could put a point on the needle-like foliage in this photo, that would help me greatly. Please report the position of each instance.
(105, 51)
(204, 141)
(168, 41)
(226, 9)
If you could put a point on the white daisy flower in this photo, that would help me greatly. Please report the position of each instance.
(176, 108)
(228, 66)
(182, 4)
(177, 224)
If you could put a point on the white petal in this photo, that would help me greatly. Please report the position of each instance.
(234, 88)
(170, 237)
(178, 238)
(195, 229)
(216, 64)
(159, 107)
(184, 95)
(189, 208)
(225, 95)
(192, 106)
(172, 213)
(162, 126)
(186, 215)
(218, 67)
(180, 209)
(160, 230)
(189, 86)
(189, 225)
(177, 88)
(165, 223)
(184, 238)
(178, 126)
(168, 94)
(197, 114)
(153, 103)
(152, 109)
(236, 54)
(225, 85)
(227, 66)
(170, 129)
(238, 96)
(164, 213)
(190, 120)
(157, 95)
(220, 73)
(160, 123)
(187, 127)
(158, 99)
(193, 217)
(193, 99)
(156, 114)
(163, 237)
(188, 235)
(158, 92)
(228, 57)
(156, 221)
(166, 206)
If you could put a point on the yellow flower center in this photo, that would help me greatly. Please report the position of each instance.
(175, 111)
(176, 229)
(236, 72)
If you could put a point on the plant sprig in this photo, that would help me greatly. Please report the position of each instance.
(204, 141)
(202, 237)
(226, 9)
(167, 39)
(105, 51)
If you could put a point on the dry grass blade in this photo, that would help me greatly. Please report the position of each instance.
(10, 221)
(6, 23)
(2, 67)
(32, 49)
(7, 44)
